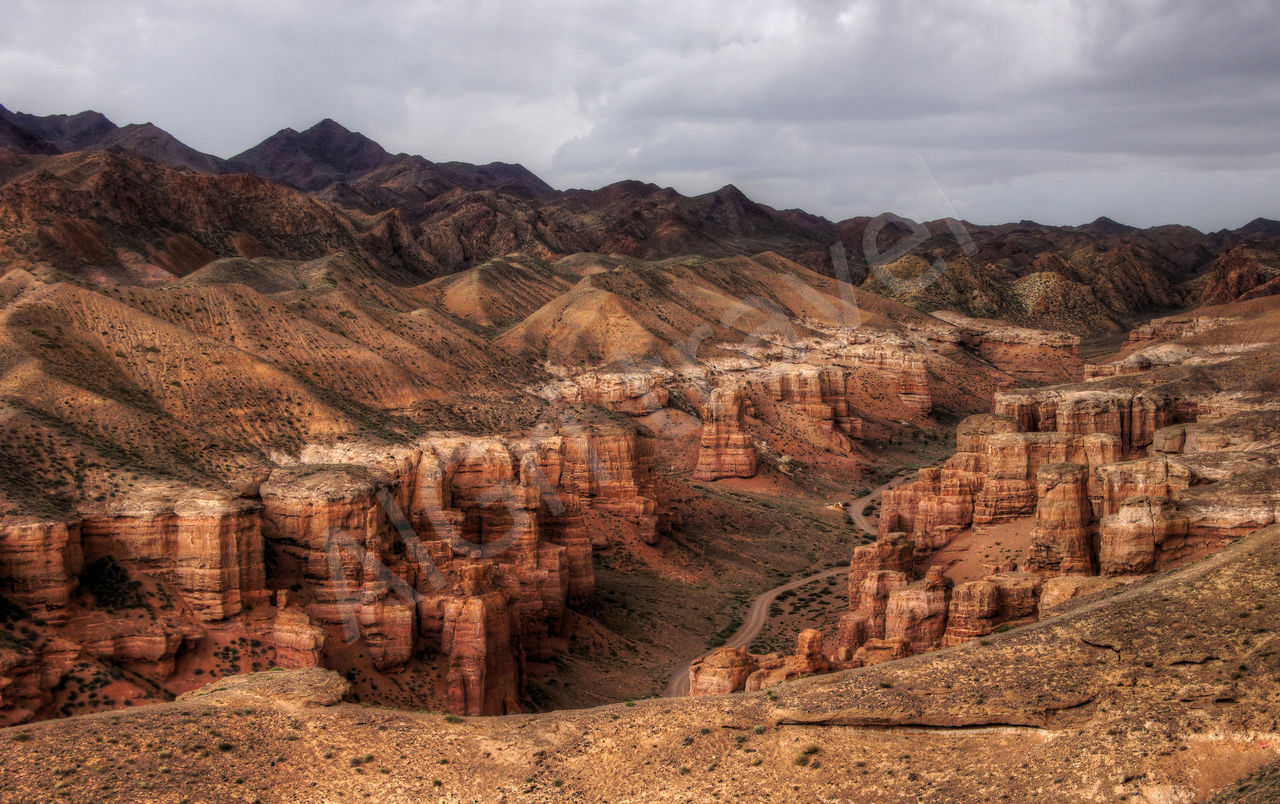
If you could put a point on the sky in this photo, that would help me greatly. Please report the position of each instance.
(1061, 111)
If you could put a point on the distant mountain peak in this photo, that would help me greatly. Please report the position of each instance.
(330, 126)
(1104, 225)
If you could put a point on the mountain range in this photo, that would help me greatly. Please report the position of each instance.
(413, 219)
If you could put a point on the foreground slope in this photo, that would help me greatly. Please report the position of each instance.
(1165, 691)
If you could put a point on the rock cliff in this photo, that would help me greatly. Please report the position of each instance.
(725, 449)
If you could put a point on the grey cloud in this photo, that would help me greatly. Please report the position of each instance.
(1148, 110)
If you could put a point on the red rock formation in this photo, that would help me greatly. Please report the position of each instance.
(875, 651)
(973, 612)
(1061, 542)
(1036, 354)
(485, 669)
(1132, 417)
(851, 632)
(1158, 476)
(917, 614)
(39, 562)
(894, 553)
(822, 394)
(807, 660)
(725, 450)
(1059, 591)
(207, 545)
(298, 642)
(721, 672)
(1134, 537)
(328, 519)
(991, 478)
(933, 508)
(143, 641)
(634, 393)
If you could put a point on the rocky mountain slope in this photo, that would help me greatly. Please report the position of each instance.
(439, 217)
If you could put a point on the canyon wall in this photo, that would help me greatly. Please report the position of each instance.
(1115, 482)
(468, 548)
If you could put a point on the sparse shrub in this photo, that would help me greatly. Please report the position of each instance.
(452, 719)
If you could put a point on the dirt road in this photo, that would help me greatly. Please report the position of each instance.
(758, 613)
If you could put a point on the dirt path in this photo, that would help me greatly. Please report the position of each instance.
(758, 613)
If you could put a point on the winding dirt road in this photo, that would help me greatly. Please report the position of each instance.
(758, 613)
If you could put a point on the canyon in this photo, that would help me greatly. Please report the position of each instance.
(346, 438)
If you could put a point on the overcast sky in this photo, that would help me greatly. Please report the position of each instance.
(1150, 111)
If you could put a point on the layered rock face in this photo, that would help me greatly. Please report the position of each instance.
(1062, 540)
(1209, 476)
(973, 612)
(725, 449)
(485, 671)
(1037, 354)
(1132, 417)
(40, 561)
(470, 548)
(917, 615)
(727, 670)
(722, 671)
(207, 545)
(905, 370)
(807, 660)
(822, 394)
(1134, 536)
(634, 393)
(991, 478)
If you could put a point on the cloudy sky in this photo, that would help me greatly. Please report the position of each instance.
(1149, 111)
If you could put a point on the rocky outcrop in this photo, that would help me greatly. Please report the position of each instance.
(917, 615)
(633, 393)
(298, 642)
(876, 651)
(328, 519)
(722, 671)
(973, 612)
(892, 553)
(205, 544)
(991, 478)
(485, 669)
(725, 449)
(807, 660)
(1135, 536)
(1132, 417)
(821, 394)
(1035, 354)
(1061, 542)
(904, 369)
(39, 562)
(1059, 591)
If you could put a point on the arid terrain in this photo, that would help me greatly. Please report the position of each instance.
(329, 473)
